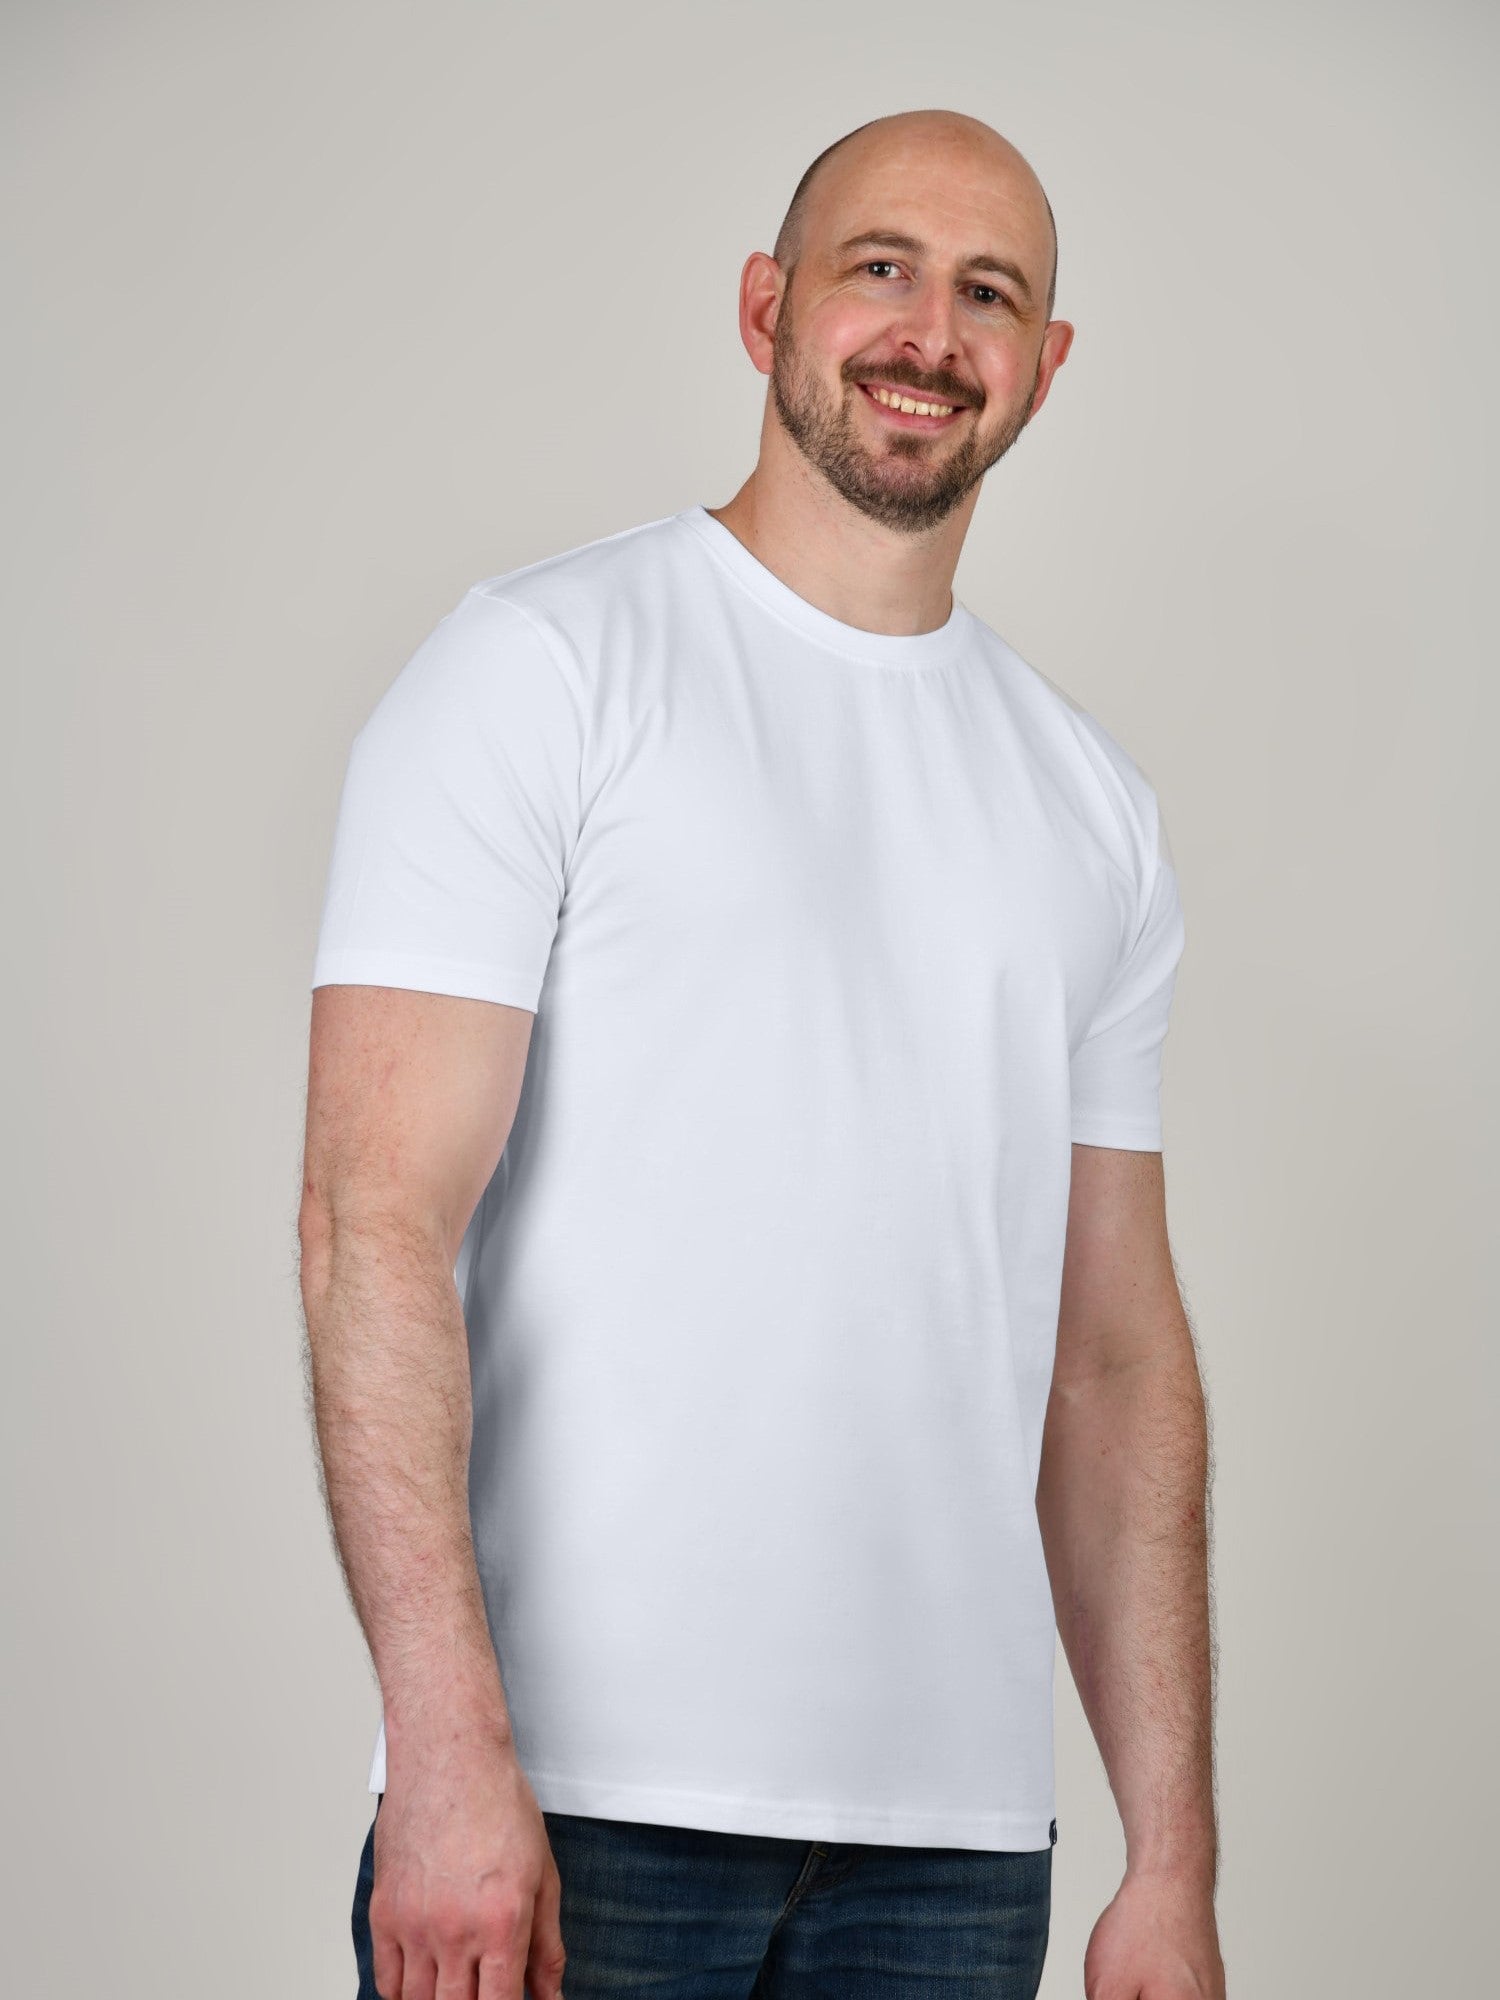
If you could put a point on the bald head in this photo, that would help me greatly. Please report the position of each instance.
(881, 142)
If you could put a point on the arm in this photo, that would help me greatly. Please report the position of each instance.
(410, 1101)
(1122, 1504)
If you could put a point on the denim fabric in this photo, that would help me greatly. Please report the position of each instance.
(674, 1913)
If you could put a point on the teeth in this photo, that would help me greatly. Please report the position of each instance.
(910, 406)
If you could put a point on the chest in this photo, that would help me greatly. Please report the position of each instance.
(895, 837)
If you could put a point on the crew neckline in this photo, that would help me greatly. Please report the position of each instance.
(884, 649)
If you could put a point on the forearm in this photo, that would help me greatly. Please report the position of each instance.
(1122, 1503)
(389, 1364)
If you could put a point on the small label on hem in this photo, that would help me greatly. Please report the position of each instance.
(1052, 1834)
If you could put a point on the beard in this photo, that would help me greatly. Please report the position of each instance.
(910, 483)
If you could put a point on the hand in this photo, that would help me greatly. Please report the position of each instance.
(466, 1894)
(1158, 1940)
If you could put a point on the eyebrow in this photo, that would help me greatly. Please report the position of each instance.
(979, 260)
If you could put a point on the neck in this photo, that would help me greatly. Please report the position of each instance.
(857, 570)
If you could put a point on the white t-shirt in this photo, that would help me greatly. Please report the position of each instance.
(836, 942)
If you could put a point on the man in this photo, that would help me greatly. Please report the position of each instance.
(742, 1321)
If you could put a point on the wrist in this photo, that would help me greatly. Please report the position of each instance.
(1191, 1865)
(465, 1715)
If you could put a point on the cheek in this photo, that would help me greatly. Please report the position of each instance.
(1001, 389)
(1008, 376)
(852, 333)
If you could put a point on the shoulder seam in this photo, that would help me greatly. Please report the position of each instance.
(546, 640)
(568, 555)
(576, 696)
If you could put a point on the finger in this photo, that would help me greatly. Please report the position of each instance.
(544, 1963)
(418, 1975)
(386, 1962)
(457, 1975)
(500, 1977)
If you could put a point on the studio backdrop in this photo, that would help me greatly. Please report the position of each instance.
(321, 313)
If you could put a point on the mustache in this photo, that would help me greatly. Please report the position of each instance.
(942, 391)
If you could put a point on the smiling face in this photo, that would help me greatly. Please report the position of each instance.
(922, 274)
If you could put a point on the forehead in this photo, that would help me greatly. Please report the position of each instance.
(959, 200)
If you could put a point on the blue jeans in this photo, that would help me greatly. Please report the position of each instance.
(674, 1913)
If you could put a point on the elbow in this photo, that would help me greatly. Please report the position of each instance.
(315, 1228)
(349, 1225)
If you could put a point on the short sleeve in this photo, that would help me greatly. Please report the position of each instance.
(458, 817)
(1116, 1071)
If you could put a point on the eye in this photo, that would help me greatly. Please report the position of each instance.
(995, 298)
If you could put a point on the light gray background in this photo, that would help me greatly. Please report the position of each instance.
(326, 311)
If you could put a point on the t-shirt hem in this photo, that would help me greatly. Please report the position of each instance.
(464, 980)
(1130, 1135)
(796, 1819)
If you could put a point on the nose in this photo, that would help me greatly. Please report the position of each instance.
(928, 329)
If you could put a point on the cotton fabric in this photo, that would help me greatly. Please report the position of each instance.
(837, 941)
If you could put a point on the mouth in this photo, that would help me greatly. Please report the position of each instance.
(910, 411)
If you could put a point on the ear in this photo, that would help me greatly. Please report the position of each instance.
(761, 289)
(1056, 341)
